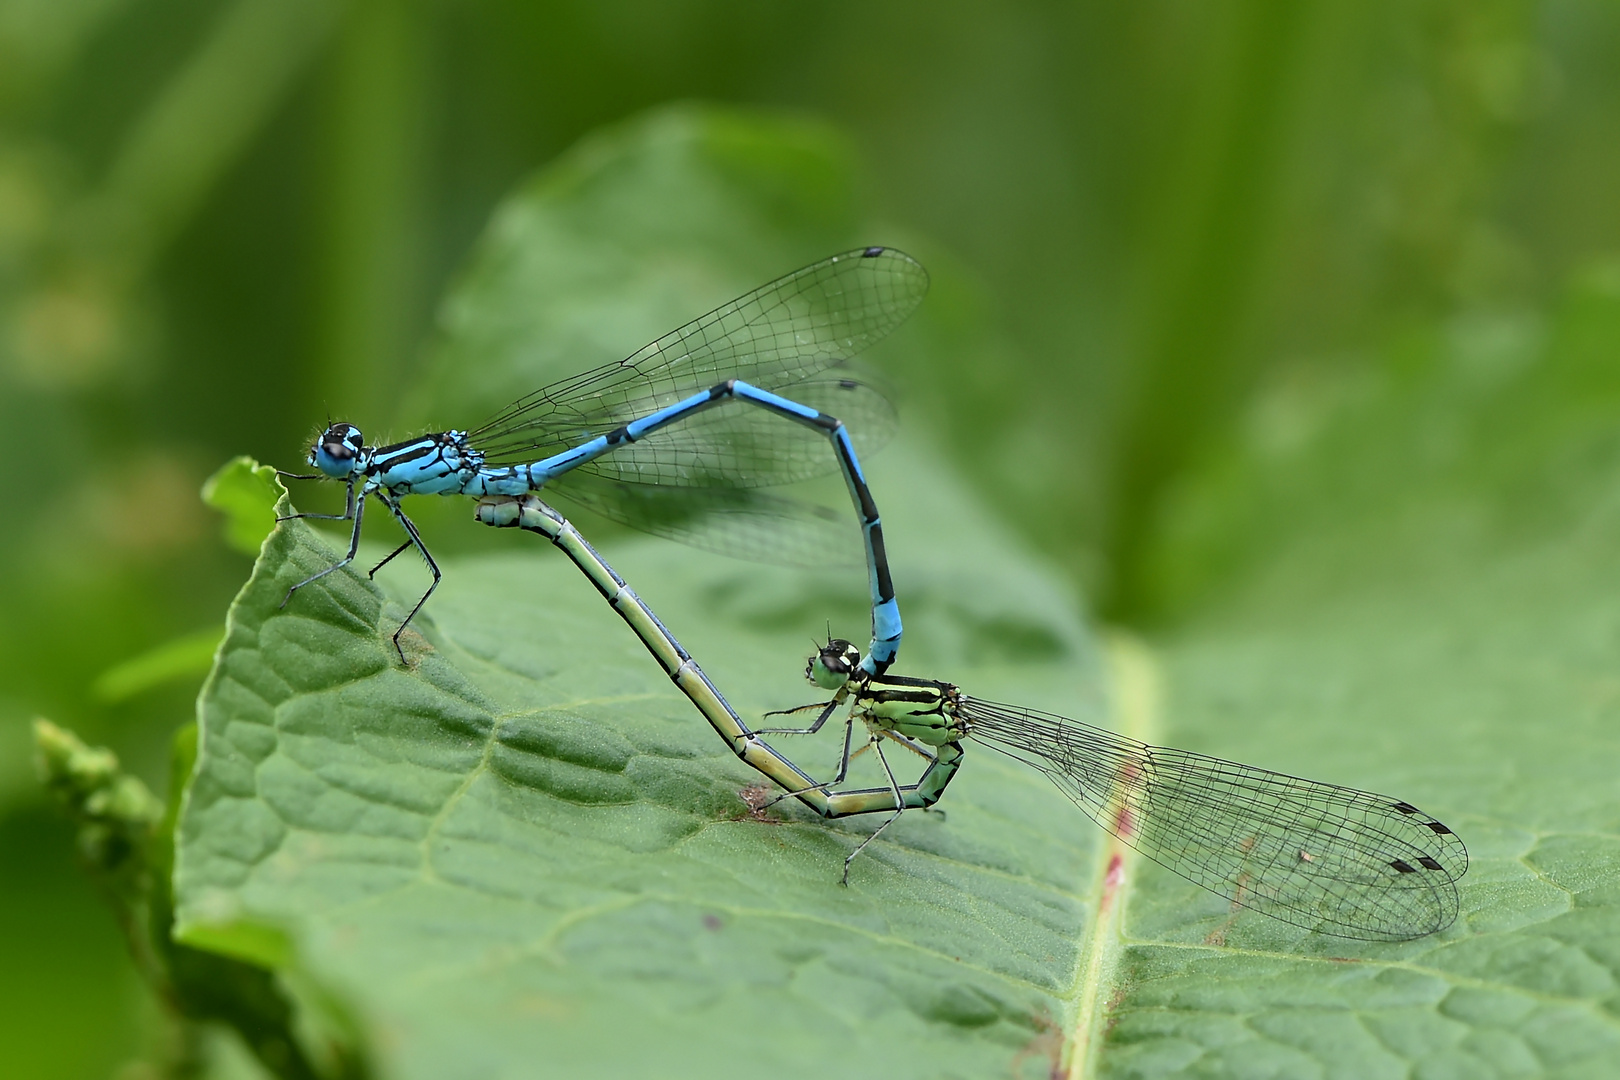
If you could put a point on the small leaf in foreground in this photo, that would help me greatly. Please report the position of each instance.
(245, 492)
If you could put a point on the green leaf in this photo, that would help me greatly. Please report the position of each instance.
(1407, 582)
(245, 492)
(529, 840)
(528, 847)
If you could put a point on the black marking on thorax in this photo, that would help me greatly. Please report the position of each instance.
(881, 681)
(920, 697)
(933, 698)
(426, 447)
(410, 450)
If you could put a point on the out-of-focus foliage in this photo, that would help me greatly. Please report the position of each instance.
(1192, 223)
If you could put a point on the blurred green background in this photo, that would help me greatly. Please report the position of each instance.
(223, 220)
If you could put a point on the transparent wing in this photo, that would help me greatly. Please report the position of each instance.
(777, 335)
(741, 446)
(1333, 859)
(738, 522)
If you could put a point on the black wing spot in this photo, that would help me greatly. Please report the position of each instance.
(1429, 863)
(847, 384)
(1406, 808)
(1403, 866)
(1439, 828)
(871, 253)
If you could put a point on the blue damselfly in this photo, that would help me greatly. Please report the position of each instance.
(617, 438)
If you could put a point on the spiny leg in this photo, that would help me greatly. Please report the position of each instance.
(348, 509)
(843, 766)
(387, 559)
(899, 802)
(920, 749)
(923, 751)
(358, 509)
(433, 567)
(827, 709)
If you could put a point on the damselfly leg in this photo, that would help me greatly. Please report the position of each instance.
(414, 540)
(357, 509)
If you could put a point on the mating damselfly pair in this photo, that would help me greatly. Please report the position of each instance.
(663, 427)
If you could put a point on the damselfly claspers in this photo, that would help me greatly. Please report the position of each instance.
(1331, 859)
(643, 424)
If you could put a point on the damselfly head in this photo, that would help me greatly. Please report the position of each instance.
(831, 666)
(337, 452)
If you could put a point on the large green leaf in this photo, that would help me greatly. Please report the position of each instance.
(1418, 575)
(526, 855)
(529, 848)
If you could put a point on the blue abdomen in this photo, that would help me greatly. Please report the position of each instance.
(512, 480)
